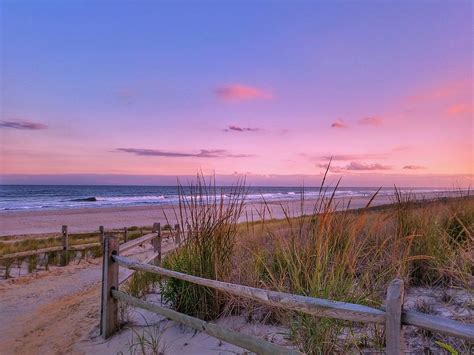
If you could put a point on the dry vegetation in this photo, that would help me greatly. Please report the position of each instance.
(346, 255)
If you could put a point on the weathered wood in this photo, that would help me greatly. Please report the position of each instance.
(393, 322)
(148, 260)
(22, 254)
(315, 306)
(439, 324)
(125, 234)
(135, 242)
(248, 342)
(110, 272)
(84, 246)
(178, 234)
(157, 243)
(102, 234)
(64, 259)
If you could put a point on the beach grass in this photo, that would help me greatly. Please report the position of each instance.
(334, 253)
(10, 245)
(211, 226)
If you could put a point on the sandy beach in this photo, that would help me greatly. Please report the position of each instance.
(89, 219)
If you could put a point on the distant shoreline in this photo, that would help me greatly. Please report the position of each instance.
(58, 198)
(89, 219)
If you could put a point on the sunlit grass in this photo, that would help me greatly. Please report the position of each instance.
(333, 253)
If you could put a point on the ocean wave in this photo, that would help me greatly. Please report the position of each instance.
(86, 199)
(98, 197)
(131, 198)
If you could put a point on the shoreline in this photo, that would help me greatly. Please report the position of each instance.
(13, 223)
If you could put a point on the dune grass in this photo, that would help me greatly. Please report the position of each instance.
(10, 246)
(211, 221)
(334, 253)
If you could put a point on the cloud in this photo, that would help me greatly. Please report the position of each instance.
(413, 167)
(366, 167)
(347, 157)
(22, 125)
(460, 109)
(402, 148)
(371, 121)
(239, 92)
(441, 92)
(354, 166)
(203, 153)
(338, 124)
(241, 129)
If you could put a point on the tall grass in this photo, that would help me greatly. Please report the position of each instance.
(341, 254)
(333, 252)
(210, 217)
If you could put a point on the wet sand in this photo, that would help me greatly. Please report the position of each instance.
(89, 219)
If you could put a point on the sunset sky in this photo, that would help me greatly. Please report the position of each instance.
(120, 91)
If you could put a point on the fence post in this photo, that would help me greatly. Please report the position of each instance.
(109, 305)
(64, 254)
(393, 322)
(178, 234)
(125, 234)
(157, 243)
(101, 236)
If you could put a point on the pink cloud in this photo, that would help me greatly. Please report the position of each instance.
(338, 124)
(241, 129)
(402, 148)
(22, 125)
(460, 109)
(355, 166)
(413, 167)
(237, 92)
(347, 157)
(203, 153)
(441, 92)
(366, 167)
(371, 121)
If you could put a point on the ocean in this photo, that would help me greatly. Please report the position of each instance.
(58, 197)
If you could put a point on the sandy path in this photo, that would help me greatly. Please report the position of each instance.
(50, 311)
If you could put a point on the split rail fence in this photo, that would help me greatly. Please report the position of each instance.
(392, 315)
(66, 247)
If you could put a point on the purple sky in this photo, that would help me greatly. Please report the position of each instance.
(122, 91)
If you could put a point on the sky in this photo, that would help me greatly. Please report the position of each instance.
(142, 91)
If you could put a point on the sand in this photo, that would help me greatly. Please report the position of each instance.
(88, 220)
(57, 311)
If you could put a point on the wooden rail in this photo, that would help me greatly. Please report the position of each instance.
(245, 341)
(136, 242)
(64, 239)
(392, 315)
(65, 243)
(23, 254)
(315, 306)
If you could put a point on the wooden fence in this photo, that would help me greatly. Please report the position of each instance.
(392, 315)
(66, 247)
